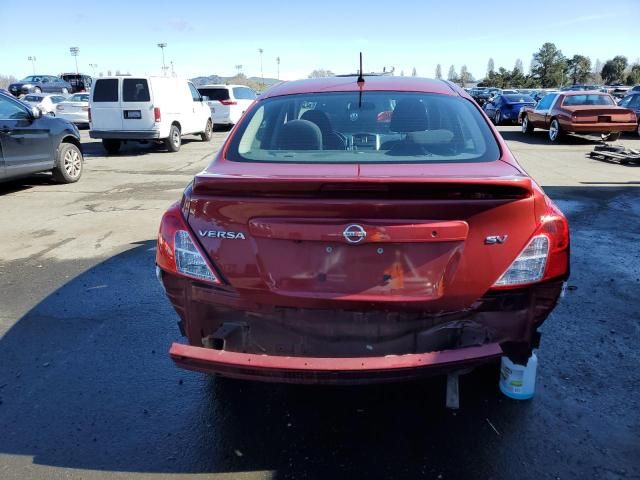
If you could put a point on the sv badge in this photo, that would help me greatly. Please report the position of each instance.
(495, 239)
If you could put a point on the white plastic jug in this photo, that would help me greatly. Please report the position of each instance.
(518, 381)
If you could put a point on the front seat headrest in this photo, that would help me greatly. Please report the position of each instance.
(300, 135)
(410, 115)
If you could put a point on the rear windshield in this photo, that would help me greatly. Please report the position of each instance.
(215, 93)
(576, 100)
(244, 93)
(32, 98)
(80, 97)
(519, 99)
(375, 127)
(77, 80)
(135, 90)
(106, 90)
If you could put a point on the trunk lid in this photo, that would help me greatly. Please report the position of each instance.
(356, 235)
(588, 113)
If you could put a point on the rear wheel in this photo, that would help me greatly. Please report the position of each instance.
(526, 125)
(174, 141)
(68, 166)
(610, 137)
(37, 90)
(208, 132)
(555, 132)
(111, 146)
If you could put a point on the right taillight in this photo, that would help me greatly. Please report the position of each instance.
(546, 255)
(59, 107)
(157, 116)
(228, 102)
(178, 252)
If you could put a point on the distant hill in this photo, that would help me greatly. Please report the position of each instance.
(213, 79)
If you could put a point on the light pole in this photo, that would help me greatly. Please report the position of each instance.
(93, 67)
(278, 63)
(261, 51)
(33, 63)
(239, 69)
(173, 73)
(74, 53)
(162, 46)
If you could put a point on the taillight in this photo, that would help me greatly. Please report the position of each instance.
(546, 256)
(89, 113)
(178, 252)
(228, 102)
(59, 107)
(156, 114)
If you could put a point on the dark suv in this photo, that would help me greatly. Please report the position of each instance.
(31, 143)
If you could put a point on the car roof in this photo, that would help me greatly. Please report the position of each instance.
(223, 85)
(571, 93)
(371, 83)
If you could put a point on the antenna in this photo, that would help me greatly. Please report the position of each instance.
(360, 76)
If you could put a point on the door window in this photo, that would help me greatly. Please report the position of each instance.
(135, 90)
(546, 102)
(106, 90)
(10, 110)
(194, 93)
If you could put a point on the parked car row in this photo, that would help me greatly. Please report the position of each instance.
(65, 84)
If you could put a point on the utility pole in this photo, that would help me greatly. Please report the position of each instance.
(239, 69)
(33, 63)
(74, 53)
(162, 46)
(261, 51)
(173, 73)
(278, 63)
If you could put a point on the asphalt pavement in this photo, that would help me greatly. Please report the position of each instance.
(87, 390)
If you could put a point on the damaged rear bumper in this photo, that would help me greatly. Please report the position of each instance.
(329, 370)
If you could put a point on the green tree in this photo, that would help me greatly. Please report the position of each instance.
(634, 75)
(439, 72)
(595, 73)
(613, 70)
(465, 76)
(548, 65)
(579, 69)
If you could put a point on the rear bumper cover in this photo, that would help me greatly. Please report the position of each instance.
(601, 127)
(125, 135)
(329, 370)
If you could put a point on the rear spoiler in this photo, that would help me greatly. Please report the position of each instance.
(374, 187)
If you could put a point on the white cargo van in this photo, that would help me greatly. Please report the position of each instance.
(147, 108)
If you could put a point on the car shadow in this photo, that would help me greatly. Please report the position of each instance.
(26, 183)
(93, 148)
(86, 383)
(541, 137)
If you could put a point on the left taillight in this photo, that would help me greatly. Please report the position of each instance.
(178, 252)
(546, 255)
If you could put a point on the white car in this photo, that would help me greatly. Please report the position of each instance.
(147, 108)
(46, 102)
(228, 102)
(75, 109)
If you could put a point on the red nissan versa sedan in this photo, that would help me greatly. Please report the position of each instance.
(361, 232)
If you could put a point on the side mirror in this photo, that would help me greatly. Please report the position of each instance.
(36, 112)
(205, 98)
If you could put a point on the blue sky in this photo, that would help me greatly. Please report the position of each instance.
(212, 37)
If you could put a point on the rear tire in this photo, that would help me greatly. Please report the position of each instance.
(111, 146)
(555, 132)
(610, 137)
(208, 132)
(174, 141)
(527, 128)
(69, 163)
(37, 90)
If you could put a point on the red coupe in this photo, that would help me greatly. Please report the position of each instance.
(360, 231)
